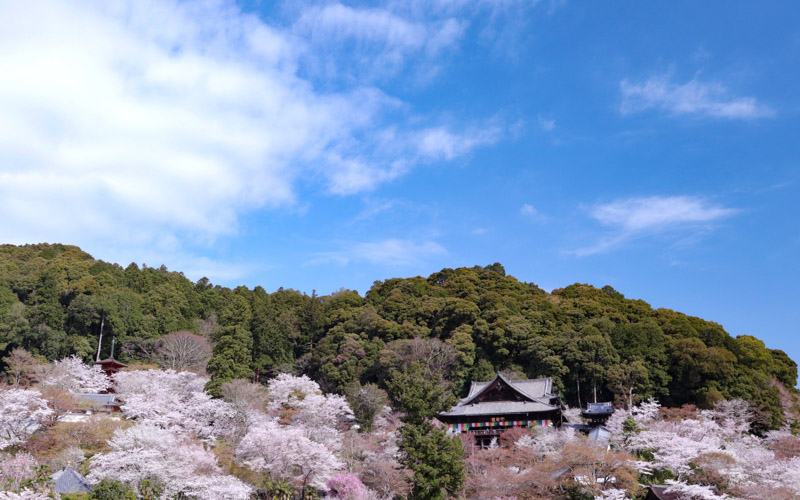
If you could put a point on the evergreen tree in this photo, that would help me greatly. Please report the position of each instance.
(232, 353)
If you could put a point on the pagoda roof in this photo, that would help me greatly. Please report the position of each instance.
(111, 362)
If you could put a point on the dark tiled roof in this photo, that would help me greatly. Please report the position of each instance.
(68, 481)
(600, 433)
(498, 407)
(536, 391)
(532, 388)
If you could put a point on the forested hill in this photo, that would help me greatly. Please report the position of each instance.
(466, 323)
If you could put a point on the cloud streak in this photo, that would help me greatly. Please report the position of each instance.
(694, 98)
(634, 218)
(392, 252)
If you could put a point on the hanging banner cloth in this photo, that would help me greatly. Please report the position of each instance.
(504, 423)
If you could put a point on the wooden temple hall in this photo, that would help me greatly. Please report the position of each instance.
(493, 407)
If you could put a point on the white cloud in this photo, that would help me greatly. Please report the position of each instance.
(152, 125)
(337, 22)
(393, 252)
(692, 98)
(528, 210)
(441, 143)
(636, 217)
(376, 42)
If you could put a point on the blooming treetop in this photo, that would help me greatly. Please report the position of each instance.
(23, 495)
(74, 375)
(286, 390)
(347, 487)
(287, 454)
(612, 494)
(14, 469)
(21, 412)
(182, 465)
(693, 491)
(318, 415)
(550, 440)
(173, 399)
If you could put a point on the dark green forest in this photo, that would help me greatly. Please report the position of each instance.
(463, 324)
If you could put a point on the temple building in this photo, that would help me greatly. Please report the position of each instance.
(492, 407)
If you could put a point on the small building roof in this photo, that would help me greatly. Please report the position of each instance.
(600, 434)
(67, 480)
(96, 401)
(598, 409)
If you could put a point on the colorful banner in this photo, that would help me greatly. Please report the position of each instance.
(509, 423)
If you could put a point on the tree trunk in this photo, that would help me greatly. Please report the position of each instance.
(578, 379)
(594, 383)
(100, 340)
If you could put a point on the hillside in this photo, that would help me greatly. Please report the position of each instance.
(467, 322)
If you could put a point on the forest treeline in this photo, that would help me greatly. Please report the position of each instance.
(464, 323)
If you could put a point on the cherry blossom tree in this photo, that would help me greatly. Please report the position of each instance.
(72, 374)
(675, 444)
(173, 399)
(318, 415)
(22, 411)
(14, 469)
(692, 491)
(285, 453)
(612, 494)
(347, 487)
(183, 466)
(286, 390)
(550, 440)
(23, 495)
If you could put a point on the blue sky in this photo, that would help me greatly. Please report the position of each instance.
(317, 145)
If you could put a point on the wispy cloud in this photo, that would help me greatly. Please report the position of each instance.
(531, 213)
(393, 252)
(548, 125)
(634, 218)
(442, 143)
(694, 98)
(401, 36)
(374, 43)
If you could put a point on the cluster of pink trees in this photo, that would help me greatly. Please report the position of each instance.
(181, 465)
(714, 448)
(295, 436)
